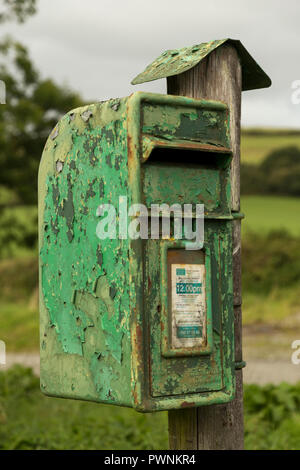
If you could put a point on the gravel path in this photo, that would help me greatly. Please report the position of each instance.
(262, 372)
(25, 359)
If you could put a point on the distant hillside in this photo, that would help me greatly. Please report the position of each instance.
(257, 143)
(266, 132)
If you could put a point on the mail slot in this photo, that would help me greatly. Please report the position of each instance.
(144, 322)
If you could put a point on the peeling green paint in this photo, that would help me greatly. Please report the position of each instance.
(95, 304)
(77, 269)
(187, 123)
(176, 61)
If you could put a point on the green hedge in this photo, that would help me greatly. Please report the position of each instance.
(278, 174)
(29, 420)
(270, 261)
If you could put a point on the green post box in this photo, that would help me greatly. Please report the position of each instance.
(113, 310)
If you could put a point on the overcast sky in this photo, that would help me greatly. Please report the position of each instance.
(98, 46)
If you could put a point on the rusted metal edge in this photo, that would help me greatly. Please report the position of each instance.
(176, 61)
(151, 142)
(237, 215)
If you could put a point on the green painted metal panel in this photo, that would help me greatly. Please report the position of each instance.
(186, 123)
(85, 339)
(192, 372)
(97, 296)
(192, 184)
(176, 61)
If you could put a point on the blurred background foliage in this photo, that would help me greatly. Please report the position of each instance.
(33, 107)
(270, 186)
(18, 10)
(277, 174)
(30, 420)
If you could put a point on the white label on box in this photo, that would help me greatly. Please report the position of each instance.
(188, 305)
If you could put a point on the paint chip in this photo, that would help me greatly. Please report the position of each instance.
(115, 105)
(54, 133)
(85, 116)
(59, 166)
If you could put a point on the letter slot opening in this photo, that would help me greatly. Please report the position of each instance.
(202, 156)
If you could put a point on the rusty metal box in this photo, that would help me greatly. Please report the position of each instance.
(108, 328)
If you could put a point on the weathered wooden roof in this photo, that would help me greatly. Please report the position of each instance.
(174, 62)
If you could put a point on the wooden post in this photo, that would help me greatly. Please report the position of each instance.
(218, 77)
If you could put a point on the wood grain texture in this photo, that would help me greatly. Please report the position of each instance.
(183, 429)
(218, 77)
(221, 427)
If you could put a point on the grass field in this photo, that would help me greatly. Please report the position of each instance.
(19, 326)
(19, 322)
(254, 148)
(265, 213)
(273, 308)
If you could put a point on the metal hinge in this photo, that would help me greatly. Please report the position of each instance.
(240, 365)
